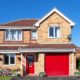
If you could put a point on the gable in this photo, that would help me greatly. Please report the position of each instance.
(59, 13)
(55, 19)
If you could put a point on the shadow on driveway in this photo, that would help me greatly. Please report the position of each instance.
(46, 78)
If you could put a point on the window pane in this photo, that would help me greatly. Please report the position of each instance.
(6, 59)
(57, 32)
(33, 34)
(12, 58)
(51, 32)
(30, 60)
(13, 34)
(19, 35)
(7, 34)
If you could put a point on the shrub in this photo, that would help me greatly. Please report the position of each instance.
(42, 74)
(77, 73)
(15, 73)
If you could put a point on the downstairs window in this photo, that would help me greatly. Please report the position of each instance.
(9, 59)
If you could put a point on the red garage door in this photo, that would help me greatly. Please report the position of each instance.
(57, 64)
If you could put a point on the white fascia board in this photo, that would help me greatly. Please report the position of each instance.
(17, 27)
(46, 50)
(37, 50)
(13, 45)
(57, 11)
(9, 51)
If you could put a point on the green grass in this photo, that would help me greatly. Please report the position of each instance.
(5, 77)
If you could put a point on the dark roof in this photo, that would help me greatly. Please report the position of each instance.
(55, 46)
(27, 22)
(9, 47)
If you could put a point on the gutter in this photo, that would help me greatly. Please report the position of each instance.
(45, 50)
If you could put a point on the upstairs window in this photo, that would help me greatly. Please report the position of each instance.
(54, 32)
(9, 59)
(14, 35)
(33, 34)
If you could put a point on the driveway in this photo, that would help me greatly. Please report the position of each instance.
(46, 78)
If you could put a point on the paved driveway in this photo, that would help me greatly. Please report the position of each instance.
(46, 78)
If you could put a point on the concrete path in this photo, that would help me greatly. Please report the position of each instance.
(46, 78)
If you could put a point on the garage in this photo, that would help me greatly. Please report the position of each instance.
(57, 64)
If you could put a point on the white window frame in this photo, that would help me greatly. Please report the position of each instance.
(35, 35)
(10, 34)
(10, 59)
(54, 32)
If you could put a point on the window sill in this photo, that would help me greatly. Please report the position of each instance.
(33, 39)
(9, 64)
(13, 40)
(54, 38)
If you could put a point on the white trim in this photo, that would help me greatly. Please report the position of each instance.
(46, 50)
(13, 45)
(17, 27)
(57, 11)
(9, 51)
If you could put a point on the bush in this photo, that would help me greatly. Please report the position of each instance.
(77, 73)
(42, 74)
(15, 73)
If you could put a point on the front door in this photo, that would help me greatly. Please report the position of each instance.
(30, 64)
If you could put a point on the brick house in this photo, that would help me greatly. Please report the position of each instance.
(35, 46)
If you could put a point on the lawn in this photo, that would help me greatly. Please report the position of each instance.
(5, 77)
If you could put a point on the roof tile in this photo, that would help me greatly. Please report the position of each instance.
(27, 22)
(54, 46)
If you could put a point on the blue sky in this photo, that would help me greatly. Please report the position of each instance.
(11, 10)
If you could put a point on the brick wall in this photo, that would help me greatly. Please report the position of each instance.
(39, 64)
(12, 67)
(51, 20)
(1, 36)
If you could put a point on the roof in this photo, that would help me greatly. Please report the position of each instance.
(58, 46)
(25, 22)
(31, 22)
(9, 47)
(57, 11)
(55, 46)
(38, 48)
(48, 48)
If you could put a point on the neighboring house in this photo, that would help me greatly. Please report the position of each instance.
(35, 46)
